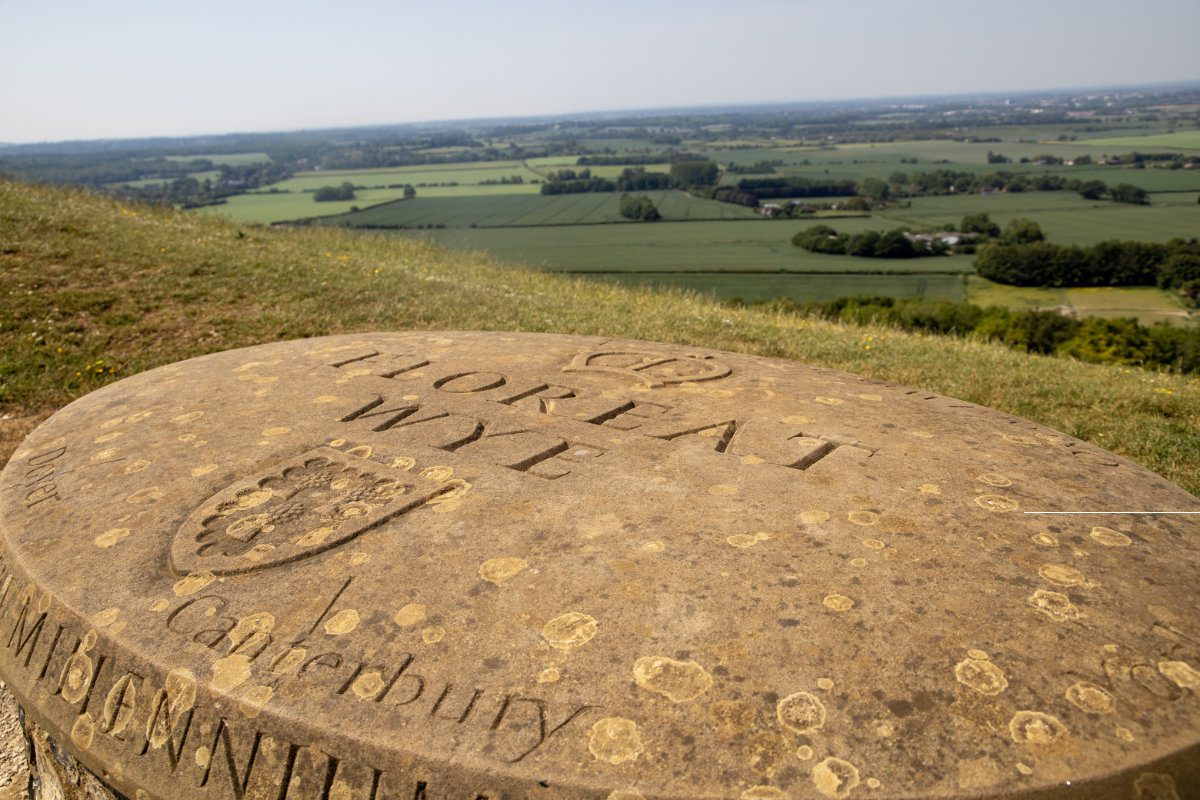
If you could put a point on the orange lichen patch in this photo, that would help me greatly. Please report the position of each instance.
(111, 537)
(1181, 673)
(192, 583)
(1110, 538)
(570, 630)
(996, 502)
(409, 614)
(1034, 727)
(1090, 698)
(1061, 574)
(801, 712)
(835, 777)
(678, 681)
(498, 570)
(981, 675)
(230, 672)
(615, 740)
(838, 602)
(1054, 605)
(342, 622)
(744, 540)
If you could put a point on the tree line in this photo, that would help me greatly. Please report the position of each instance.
(1174, 265)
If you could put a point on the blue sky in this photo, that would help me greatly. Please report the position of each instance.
(78, 70)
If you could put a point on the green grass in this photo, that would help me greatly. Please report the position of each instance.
(715, 246)
(1182, 140)
(232, 159)
(530, 210)
(799, 286)
(92, 290)
(1148, 305)
(470, 173)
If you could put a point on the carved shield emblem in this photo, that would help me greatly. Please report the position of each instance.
(307, 505)
(652, 370)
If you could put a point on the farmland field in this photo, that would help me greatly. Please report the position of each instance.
(232, 159)
(1146, 304)
(1184, 140)
(799, 286)
(462, 174)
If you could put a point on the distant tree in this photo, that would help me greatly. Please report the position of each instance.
(639, 208)
(1092, 190)
(876, 189)
(1128, 193)
(979, 223)
(1022, 231)
(409, 191)
(330, 193)
(1082, 161)
(694, 173)
(894, 244)
(997, 158)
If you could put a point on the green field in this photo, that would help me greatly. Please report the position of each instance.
(1181, 140)
(714, 246)
(799, 286)
(1146, 304)
(533, 210)
(232, 159)
(469, 174)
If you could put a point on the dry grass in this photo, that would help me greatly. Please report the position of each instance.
(92, 290)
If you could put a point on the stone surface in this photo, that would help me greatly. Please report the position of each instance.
(517, 566)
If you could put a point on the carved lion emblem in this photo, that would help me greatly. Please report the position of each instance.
(314, 502)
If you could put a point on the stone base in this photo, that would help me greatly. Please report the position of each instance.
(53, 773)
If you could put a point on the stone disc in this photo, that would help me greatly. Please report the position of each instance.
(486, 565)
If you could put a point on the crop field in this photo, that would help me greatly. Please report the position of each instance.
(532, 210)
(232, 159)
(1065, 217)
(469, 174)
(798, 286)
(715, 246)
(1148, 305)
(283, 206)
(1182, 140)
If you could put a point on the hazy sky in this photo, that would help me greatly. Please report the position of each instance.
(76, 69)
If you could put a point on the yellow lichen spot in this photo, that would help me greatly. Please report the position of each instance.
(829, 401)
(678, 681)
(858, 562)
(111, 537)
(359, 558)
(144, 496)
(1181, 673)
(183, 419)
(404, 463)
(873, 544)
(764, 793)
(289, 661)
(796, 420)
(433, 634)
(870, 398)
(499, 570)
(801, 712)
(1090, 698)
(992, 479)
(569, 630)
(1061, 574)
(253, 499)
(824, 684)
(108, 437)
(161, 604)
(981, 675)
(1044, 539)
(230, 672)
(192, 583)
(342, 622)
(921, 434)
(549, 675)
(631, 794)
(929, 488)
(874, 783)
(835, 777)
(751, 460)
(361, 451)
(804, 752)
(1154, 786)
(600, 525)
(1054, 605)
(1110, 538)
(996, 502)
(654, 547)
(325, 398)
(1024, 769)
(83, 731)
(744, 540)
(615, 740)
(103, 455)
(814, 517)
(137, 466)
(203, 470)
(106, 617)
(722, 489)
(314, 537)
(1122, 733)
(438, 473)
(863, 517)
(252, 702)
(336, 442)
(838, 602)
(410, 614)
(978, 654)
(1034, 727)
(368, 685)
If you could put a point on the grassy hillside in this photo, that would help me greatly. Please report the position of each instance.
(92, 290)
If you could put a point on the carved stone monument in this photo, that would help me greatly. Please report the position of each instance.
(457, 566)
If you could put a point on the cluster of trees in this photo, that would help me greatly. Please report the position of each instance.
(688, 175)
(327, 194)
(1121, 341)
(868, 244)
(637, 179)
(948, 181)
(763, 167)
(619, 159)
(189, 192)
(639, 208)
(1121, 193)
(1174, 265)
(504, 180)
(764, 188)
